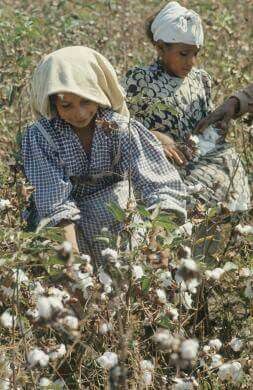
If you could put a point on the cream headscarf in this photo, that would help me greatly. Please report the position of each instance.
(177, 24)
(79, 70)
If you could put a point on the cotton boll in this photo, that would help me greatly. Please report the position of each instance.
(48, 306)
(165, 278)
(244, 230)
(184, 384)
(4, 204)
(230, 371)
(186, 300)
(215, 344)
(189, 349)
(110, 255)
(245, 272)
(37, 356)
(5, 384)
(19, 276)
(104, 328)
(161, 294)
(206, 349)
(33, 313)
(7, 291)
(147, 378)
(236, 344)
(147, 368)
(192, 285)
(104, 278)
(70, 322)
(37, 289)
(44, 382)
(215, 274)
(8, 320)
(172, 312)
(236, 371)
(58, 352)
(108, 360)
(248, 292)
(137, 272)
(165, 340)
(216, 361)
(185, 230)
(67, 246)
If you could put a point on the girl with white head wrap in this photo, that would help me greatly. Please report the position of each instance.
(173, 97)
(75, 177)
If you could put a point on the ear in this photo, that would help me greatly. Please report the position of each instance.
(160, 47)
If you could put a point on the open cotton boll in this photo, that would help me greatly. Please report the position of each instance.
(137, 272)
(189, 349)
(230, 371)
(108, 360)
(147, 369)
(45, 382)
(248, 292)
(207, 140)
(104, 278)
(216, 361)
(215, 344)
(70, 322)
(215, 273)
(165, 278)
(105, 327)
(8, 320)
(19, 276)
(161, 294)
(4, 204)
(47, 306)
(58, 353)
(37, 356)
(236, 344)
(185, 229)
(244, 230)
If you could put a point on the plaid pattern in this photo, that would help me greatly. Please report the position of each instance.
(58, 197)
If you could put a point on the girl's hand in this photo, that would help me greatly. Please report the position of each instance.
(170, 148)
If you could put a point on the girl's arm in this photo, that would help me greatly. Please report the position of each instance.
(153, 176)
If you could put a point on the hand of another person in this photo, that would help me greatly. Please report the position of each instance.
(170, 148)
(221, 116)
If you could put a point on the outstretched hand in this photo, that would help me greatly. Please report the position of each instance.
(171, 150)
(221, 116)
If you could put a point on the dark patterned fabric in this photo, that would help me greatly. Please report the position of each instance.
(174, 106)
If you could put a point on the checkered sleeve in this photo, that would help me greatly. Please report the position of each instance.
(52, 188)
(153, 177)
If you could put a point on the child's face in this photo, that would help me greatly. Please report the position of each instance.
(75, 110)
(179, 58)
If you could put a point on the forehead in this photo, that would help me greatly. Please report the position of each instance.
(184, 47)
(68, 96)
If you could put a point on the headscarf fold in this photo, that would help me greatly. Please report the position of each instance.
(177, 24)
(78, 70)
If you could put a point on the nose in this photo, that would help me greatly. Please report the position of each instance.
(82, 113)
(191, 61)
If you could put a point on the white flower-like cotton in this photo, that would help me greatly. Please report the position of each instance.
(215, 274)
(186, 300)
(47, 306)
(108, 360)
(67, 246)
(70, 322)
(215, 344)
(4, 204)
(248, 292)
(58, 352)
(185, 229)
(164, 338)
(8, 320)
(137, 272)
(33, 313)
(62, 295)
(104, 328)
(45, 382)
(192, 285)
(236, 344)
(229, 266)
(165, 278)
(37, 356)
(172, 311)
(244, 230)
(216, 361)
(161, 294)
(147, 369)
(189, 349)
(230, 371)
(19, 276)
(104, 278)
(245, 272)
(189, 264)
(110, 254)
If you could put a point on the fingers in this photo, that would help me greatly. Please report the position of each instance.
(175, 155)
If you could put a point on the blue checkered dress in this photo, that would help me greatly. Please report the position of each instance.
(63, 181)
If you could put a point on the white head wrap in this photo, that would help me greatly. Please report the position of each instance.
(177, 24)
(79, 70)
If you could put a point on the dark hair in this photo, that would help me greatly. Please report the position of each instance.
(148, 24)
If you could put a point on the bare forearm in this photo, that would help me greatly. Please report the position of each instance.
(70, 234)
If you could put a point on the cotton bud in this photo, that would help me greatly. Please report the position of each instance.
(236, 344)
(108, 360)
(215, 344)
(37, 356)
(189, 349)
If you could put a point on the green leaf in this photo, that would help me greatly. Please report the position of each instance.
(165, 322)
(117, 211)
(145, 284)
